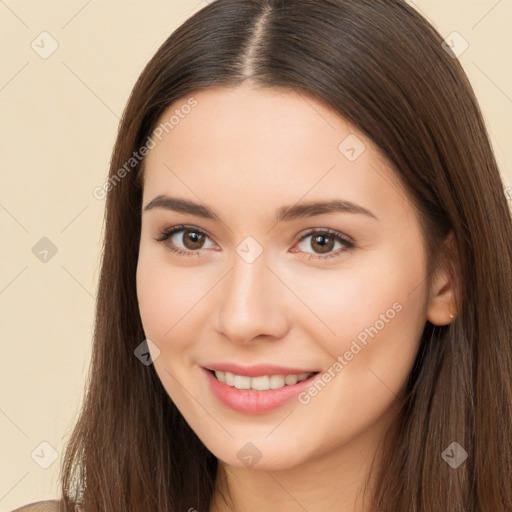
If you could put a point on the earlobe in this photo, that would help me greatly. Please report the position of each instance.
(441, 307)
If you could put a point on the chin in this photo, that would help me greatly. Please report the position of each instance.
(260, 454)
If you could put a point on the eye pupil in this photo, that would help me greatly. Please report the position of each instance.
(324, 247)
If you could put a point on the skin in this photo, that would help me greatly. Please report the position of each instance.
(244, 152)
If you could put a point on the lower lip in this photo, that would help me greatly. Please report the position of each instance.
(251, 401)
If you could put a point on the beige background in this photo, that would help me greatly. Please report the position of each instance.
(58, 123)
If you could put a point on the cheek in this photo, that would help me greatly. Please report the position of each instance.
(376, 313)
(155, 303)
(351, 298)
(172, 300)
(368, 362)
(166, 299)
(162, 295)
(377, 299)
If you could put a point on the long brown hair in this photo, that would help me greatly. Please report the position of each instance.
(382, 67)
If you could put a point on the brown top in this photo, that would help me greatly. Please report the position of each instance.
(40, 506)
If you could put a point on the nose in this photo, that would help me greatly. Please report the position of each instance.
(252, 302)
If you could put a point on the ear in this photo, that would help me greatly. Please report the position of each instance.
(441, 306)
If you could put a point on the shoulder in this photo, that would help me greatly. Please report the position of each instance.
(40, 506)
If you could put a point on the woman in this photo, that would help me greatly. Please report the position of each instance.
(305, 297)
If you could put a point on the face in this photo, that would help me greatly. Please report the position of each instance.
(254, 281)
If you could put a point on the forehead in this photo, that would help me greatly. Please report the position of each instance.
(264, 145)
(259, 121)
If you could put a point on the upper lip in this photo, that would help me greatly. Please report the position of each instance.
(257, 369)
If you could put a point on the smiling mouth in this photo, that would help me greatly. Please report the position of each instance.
(262, 382)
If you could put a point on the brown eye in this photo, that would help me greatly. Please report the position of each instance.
(183, 240)
(192, 239)
(322, 243)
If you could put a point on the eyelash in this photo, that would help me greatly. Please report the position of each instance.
(167, 233)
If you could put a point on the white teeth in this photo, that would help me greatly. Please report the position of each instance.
(260, 383)
(290, 380)
(227, 378)
(276, 381)
(242, 382)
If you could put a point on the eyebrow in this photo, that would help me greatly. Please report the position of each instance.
(283, 214)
